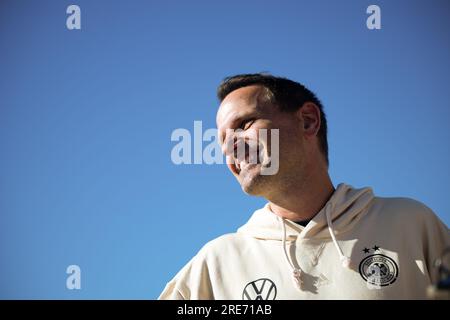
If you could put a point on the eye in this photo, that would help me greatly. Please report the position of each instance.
(246, 124)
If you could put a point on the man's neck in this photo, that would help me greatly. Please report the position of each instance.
(304, 201)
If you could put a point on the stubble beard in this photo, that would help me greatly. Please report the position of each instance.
(254, 183)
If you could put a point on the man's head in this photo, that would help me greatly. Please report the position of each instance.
(251, 102)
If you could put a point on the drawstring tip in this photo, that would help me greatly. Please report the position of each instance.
(297, 277)
(345, 262)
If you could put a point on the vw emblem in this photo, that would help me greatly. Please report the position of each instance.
(261, 289)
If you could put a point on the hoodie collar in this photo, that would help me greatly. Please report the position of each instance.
(347, 206)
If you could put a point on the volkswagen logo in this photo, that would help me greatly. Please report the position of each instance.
(261, 289)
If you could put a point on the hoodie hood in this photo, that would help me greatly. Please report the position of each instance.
(341, 212)
(345, 208)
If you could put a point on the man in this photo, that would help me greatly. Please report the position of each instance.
(311, 240)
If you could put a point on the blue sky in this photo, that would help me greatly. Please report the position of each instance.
(86, 118)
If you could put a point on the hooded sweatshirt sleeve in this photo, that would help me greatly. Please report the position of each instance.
(172, 292)
(191, 283)
(436, 238)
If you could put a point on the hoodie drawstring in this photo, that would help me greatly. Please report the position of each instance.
(345, 261)
(297, 273)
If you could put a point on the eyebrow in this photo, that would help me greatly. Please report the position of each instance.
(237, 119)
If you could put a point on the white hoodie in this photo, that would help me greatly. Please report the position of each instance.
(357, 247)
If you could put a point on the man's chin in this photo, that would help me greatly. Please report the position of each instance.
(252, 185)
(249, 190)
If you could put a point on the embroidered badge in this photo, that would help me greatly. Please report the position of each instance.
(378, 269)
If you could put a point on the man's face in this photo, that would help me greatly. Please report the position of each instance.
(240, 118)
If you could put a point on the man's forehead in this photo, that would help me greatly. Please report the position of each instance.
(240, 100)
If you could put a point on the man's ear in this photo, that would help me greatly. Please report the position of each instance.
(309, 114)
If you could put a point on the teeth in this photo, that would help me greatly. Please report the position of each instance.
(242, 164)
(237, 164)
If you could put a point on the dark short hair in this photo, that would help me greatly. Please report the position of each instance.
(287, 94)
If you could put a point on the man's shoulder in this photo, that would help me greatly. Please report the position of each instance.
(225, 240)
(223, 244)
(402, 207)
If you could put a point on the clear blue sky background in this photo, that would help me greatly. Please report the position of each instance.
(86, 118)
